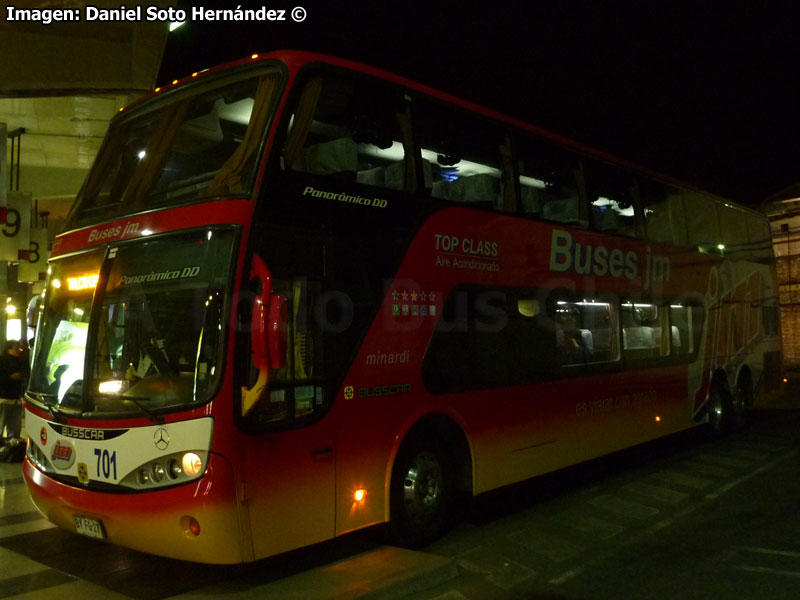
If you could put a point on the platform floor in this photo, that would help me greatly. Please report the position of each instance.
(41, 562)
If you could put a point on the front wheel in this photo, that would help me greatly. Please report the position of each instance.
(421, 494)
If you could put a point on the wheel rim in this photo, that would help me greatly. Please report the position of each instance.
(423, 486)
(716, 414)
(740, 402)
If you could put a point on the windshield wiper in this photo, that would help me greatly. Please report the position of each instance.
(51, 408)
(137, 401)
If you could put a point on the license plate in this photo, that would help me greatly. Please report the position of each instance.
(92, 528)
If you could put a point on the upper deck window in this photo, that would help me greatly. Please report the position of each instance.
(465, 159)
(352, 129)
(550, 181)
(199, 142)
(613, 199)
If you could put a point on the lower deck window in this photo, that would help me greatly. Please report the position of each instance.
(489, 338)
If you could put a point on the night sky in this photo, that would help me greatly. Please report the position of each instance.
(710, 95)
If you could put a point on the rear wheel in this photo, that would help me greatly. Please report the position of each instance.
(720, 409)
(421, 493)
(742, 401)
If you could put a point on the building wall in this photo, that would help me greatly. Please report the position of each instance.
(785, 227)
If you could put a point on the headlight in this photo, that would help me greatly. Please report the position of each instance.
(173, 469)
(192, 464)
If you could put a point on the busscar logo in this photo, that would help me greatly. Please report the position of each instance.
(82, 434)
(63, 455)
(384, 390)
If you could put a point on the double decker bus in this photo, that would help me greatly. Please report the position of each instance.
(298, 296)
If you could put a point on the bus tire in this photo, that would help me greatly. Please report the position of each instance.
(720, 409)
(422, 492)
(742, 400)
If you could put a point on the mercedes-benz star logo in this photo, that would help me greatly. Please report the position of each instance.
(161, 438)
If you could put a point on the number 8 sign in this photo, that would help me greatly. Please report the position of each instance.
(36, 265)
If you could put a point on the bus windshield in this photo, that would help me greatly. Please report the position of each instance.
(152, 334)
(199, 142)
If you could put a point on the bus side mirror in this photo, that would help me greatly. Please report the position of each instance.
(277, 327)
(269, 335)
(269, 324)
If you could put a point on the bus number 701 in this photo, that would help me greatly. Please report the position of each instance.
(107, 460)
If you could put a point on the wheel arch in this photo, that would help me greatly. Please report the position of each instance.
(435, 425)
(745, 373)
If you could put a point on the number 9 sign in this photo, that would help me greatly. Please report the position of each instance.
(15, 231)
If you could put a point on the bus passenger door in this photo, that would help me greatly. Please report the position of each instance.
(289, 455)
(289, 490)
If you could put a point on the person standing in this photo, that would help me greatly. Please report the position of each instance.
(13, 375)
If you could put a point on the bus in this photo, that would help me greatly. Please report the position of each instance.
(297, 296)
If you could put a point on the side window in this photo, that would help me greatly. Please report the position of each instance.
(586, 331)
(701, 222)
(550, 181)
(662, 208)
(468, 349)
(356, 129)
(733, 222)
(686, 328)
(646, 332)
(613, 199)
(759, 238)
(463, 159)
(488, 338)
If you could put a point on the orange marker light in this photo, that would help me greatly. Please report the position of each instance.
(360, 494)
(254, 56)
(194, 74)
(190, 525)
(158, 89)
(174, 82)
(658, 419)
(785, 380)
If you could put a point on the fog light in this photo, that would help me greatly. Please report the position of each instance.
(144, 477)
(174, 470)
(157, 470)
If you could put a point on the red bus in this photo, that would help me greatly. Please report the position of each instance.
(297, 296)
